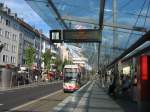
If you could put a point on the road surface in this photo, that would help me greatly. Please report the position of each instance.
(13, 98)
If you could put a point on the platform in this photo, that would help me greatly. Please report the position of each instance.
(93, 98)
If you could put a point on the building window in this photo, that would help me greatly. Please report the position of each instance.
(15, 26)
(7, 34)
(13, 60)
(5, 58)
(6, 47)
(1, 32)
(1, 19)
(13, 48)
(7, 22)
(14, 37)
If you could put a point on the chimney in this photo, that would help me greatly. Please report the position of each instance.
(15, 15)
(8, 11)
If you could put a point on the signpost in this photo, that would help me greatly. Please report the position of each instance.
(81, 35)
(75, 36)
(55, 36)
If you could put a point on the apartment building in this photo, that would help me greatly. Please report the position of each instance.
(28, 37)
(64, 53)
(9, 35)
(45, 46)
(17, 35)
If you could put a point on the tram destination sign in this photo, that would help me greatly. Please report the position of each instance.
(81, 35)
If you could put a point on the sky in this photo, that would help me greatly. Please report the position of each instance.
(74, 8)
(25, 11)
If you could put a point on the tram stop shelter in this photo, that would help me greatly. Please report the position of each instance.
(123, 26)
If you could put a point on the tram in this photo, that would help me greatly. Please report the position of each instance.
(72, 78)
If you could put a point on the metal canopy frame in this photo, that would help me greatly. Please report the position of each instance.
(101, 19)
(137, 54)
(57, 13)
(138, 43)
(101, 14)
(100, 24)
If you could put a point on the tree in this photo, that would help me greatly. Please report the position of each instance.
(66, 62)
(29, 56)
(46, 58)
(60, 64)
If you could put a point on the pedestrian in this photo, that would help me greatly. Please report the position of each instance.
(126, 86)
(103, 81)
(36, 78)
(135, 91)
(112, 87)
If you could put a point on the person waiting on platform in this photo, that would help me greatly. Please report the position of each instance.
(126, 85)
(135, 91)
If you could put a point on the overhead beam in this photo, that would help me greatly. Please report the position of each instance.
(101, 19)
(50, 2)
(137, 54)
(126, 27)
(115, 48)
(138, 43)
(107, 47)
(94, 22)
(101, 14)
(36, 1)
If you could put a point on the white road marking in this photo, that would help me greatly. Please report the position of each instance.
(84, 99)
(72, 98)
(34, 101)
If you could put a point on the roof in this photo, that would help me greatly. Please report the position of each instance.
(21, 22)
(29, 27)
(124, 22)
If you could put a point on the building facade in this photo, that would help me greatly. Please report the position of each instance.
(64, 52)
(17, 35)
(9, 36)
(45, 46)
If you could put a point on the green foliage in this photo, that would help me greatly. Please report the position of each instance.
(29, 56)
(66, 62)
(46, 58)
(58, 62)
(93, 71)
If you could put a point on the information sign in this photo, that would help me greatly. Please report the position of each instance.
(81, 35)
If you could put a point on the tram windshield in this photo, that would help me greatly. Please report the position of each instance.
(70, 76)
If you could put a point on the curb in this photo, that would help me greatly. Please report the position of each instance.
(29, 86)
